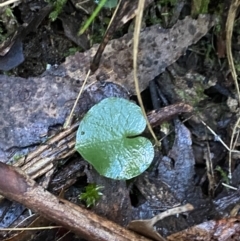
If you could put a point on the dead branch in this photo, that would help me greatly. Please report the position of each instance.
(16, 185)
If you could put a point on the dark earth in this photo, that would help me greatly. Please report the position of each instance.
(192, 163)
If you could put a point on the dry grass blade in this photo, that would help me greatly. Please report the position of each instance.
(230, 187)
(135, 52)
(7, 3)
(69, 119)
(229, 29)
(27, 229)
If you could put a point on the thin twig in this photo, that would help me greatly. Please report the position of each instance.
(219, 139)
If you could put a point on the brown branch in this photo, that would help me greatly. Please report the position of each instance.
(157, 117)
(17, 186)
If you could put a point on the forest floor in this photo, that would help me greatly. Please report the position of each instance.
(198, 162)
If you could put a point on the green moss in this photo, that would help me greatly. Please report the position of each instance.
(192, 95)
(91, 195)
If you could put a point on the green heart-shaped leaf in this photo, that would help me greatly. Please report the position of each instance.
(107, 138)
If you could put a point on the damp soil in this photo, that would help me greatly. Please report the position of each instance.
(180, 170)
